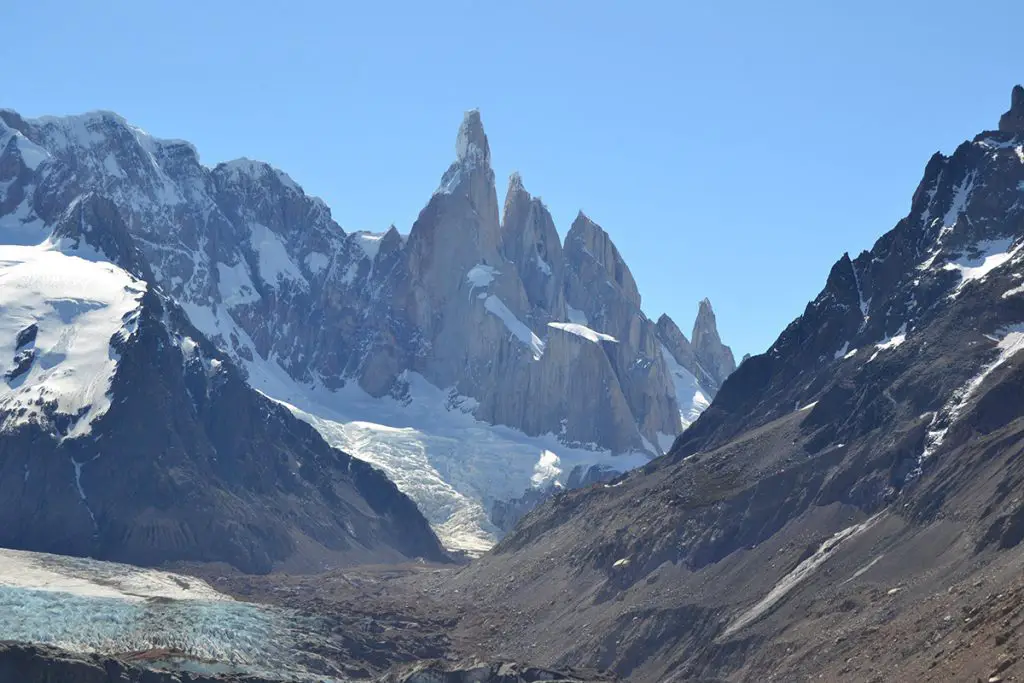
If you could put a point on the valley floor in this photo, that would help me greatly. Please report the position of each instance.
(890, 627)
(849, 620)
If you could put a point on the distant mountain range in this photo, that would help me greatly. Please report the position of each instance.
(403, 350)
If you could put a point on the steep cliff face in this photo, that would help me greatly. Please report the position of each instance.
(519, 329)
(848, 490)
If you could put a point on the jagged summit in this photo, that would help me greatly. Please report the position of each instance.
(1013, 120)
(716, 357)
(587, 240)
(471, 142)
(709, 361)
(472, 159)
(515, 182)
(705, 325)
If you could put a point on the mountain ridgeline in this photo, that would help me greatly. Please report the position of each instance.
(543, 336)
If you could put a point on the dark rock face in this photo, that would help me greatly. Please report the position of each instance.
(24, 353)
(862, 467)
(1013, 120)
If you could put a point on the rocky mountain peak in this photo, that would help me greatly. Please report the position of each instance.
(515, 182)
(530, 241)
(514, 195)
(588, 240)
(710, 363)
(471, 144)
(715, 357)
(705, 327)
(472, 160)
(1013, 120)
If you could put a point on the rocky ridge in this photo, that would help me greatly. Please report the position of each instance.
(845, 509)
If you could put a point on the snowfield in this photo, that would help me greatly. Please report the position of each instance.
(77, 306)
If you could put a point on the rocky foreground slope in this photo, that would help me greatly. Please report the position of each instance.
(848, 508)
(44, 664)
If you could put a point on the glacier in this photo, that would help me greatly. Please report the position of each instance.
(451, 464)
(85, 605)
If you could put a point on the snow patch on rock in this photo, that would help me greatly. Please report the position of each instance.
(517, 327)
(235, 285)
(988, 255)
(584, 332)
(274, 262)
(481, 275)
(799, 573)
(890, 342)
(316, 261)
(1009, 343)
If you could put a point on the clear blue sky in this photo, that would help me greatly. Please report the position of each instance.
(732, 149)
